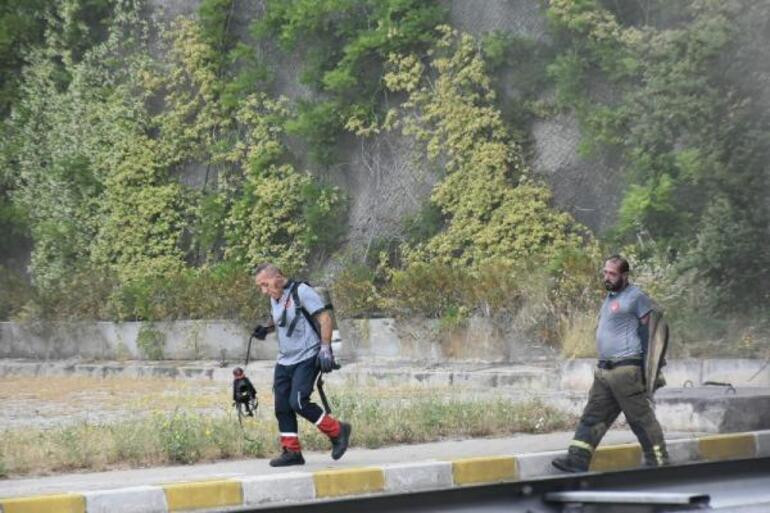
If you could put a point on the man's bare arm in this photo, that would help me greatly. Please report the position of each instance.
(325, 321)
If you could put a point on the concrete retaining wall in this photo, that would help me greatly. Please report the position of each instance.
(182, 340)
(380, 344)
(424, 341)
(578, 374)
(412, 340)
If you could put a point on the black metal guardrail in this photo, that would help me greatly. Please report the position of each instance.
(690, 487)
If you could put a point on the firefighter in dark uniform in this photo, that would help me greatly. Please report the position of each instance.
(304, 326)
(618, 384)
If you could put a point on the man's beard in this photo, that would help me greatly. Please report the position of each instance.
(613, 287)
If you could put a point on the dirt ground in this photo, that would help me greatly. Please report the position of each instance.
(56, 400)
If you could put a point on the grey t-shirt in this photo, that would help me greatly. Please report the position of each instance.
(619, 317)
(304, 343)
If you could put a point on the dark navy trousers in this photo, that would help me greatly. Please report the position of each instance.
(293, 386)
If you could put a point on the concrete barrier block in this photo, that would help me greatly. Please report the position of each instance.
(60, 503)
(433, 378)
(474, 379)
(137, 499)
(203, 494)
(489, 469)
(682, 414)
(290, 487)
(412, 477)
(682, 451)
(737, 371)
(727, 447)
(349, 481)
(616, 457)
(678, 371)
(577, 375)
(538, 464)
(762, 439)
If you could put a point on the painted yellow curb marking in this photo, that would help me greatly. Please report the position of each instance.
(203, 494)
(616, 457)
(63, 503)
(484, 470)
(350, 481)
(725, 447)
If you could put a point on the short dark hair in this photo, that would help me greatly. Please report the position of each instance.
(269, 267)
(622, 262)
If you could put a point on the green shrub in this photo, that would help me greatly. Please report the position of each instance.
(131, 444)
(346, 44)
(15, 292)
(449, 288)
(230, 294)
(694, 191)
(355, 292)
(547, 299)
(323, 211)
(493, 209)
(98, 295)
(77, 453)
(453, 318)
(425, 224)
(151, 342)
(215, 17)
(180, 436)
(320, 124)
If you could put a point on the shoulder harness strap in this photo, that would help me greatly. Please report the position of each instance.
(299, 308)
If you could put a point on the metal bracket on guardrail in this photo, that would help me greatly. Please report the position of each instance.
(729, 388)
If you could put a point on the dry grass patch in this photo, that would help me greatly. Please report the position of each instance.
(578, 335)
(105, 391)
(51, 400)
(171, 430)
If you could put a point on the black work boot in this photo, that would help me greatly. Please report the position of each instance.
(656, 456)
(288, 458)
(577, 460)
(340, 442)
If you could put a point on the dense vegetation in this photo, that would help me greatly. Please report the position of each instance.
(689, 126)
(104, 114)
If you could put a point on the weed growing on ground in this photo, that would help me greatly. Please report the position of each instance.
(180, 436)
(151, 342)
(398, 416)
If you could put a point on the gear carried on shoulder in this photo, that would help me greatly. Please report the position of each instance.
(655, 351)
(294, 292)
(299, 308)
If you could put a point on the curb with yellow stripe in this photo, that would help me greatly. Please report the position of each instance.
(396, 478)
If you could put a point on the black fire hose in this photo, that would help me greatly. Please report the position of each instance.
(319, 384)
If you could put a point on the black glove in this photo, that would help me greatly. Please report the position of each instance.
(326, 358)
(260, 332)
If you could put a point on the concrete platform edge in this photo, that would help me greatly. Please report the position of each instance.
(391, 478)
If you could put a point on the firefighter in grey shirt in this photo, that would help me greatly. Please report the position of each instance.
(618, 379)
(304, 328)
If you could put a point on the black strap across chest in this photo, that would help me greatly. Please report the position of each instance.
(299, 308)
